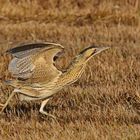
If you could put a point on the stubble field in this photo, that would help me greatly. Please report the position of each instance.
(105, 103)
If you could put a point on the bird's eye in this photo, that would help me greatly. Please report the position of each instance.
(55, 58)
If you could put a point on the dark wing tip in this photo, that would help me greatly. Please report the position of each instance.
(24, 47)
(30, 46)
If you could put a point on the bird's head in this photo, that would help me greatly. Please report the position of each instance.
(86, 54)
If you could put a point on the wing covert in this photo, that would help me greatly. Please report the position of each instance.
(34, 61)
(24, 50)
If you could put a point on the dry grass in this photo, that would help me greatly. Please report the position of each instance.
(104, 103)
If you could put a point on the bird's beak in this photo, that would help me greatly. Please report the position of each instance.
(98, 50)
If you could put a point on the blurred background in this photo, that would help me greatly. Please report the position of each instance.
(105, 102)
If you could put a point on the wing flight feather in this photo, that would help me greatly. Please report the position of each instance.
(34, 61)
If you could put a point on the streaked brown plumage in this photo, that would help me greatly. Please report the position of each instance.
(37, 78)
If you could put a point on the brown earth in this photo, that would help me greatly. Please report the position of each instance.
(105, 103)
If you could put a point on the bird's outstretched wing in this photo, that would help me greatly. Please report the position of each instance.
(35, 61)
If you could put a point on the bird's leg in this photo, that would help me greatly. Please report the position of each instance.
(9, 98)
(41, 110)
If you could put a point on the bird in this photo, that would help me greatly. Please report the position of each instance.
(35, 74)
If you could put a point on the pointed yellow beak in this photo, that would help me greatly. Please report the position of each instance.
(98, 50)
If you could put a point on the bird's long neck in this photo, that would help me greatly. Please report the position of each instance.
(72, 74)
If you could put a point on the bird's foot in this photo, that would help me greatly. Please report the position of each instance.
(1, 104)
(52, 116)
(47, 114)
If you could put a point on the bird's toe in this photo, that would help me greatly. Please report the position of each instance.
(1, 105)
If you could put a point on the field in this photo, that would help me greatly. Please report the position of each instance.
(105, 103)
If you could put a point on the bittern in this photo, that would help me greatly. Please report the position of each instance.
(35, 75)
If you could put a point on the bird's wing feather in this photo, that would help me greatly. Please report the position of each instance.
(34, 61)
(21, 68)
(27, 49)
